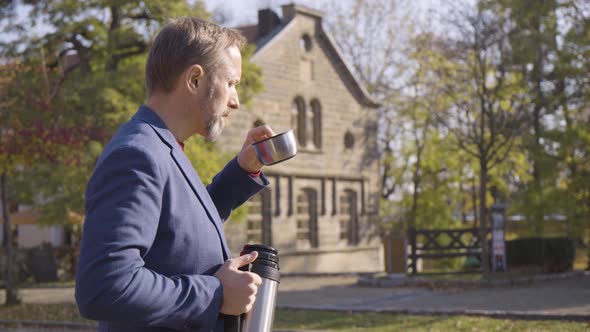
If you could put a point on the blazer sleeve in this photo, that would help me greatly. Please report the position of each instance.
(232, 187)
(123, 204)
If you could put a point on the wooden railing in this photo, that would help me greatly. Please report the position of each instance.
(427, 244)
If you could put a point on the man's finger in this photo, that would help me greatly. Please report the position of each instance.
(258, 134)
(243, 260)
(261, 132)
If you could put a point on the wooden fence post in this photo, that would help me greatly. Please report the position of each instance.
(412, 237)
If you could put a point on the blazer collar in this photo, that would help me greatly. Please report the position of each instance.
(145, 114)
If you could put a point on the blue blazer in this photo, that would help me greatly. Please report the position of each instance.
(153, 234)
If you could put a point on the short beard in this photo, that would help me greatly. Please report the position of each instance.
(214, 128)
(214, 124)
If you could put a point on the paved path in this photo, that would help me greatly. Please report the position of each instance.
(558, 297)
(44, 295)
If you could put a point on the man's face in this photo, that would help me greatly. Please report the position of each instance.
(222, 96)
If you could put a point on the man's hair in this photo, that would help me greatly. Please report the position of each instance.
(183, 42)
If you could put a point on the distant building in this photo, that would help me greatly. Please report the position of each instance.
(29, 233)
(321, 208)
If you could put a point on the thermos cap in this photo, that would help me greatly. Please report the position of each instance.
(266, 264)
(266, 253)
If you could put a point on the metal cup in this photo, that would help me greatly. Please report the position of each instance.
(276, 149)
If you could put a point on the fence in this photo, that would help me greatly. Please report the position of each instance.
(427, 244)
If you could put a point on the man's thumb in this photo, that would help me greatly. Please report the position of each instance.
(246, 259)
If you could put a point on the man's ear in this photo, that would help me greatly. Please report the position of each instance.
(192, 76)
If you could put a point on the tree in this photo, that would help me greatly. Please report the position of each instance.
(487, 98)
(9, 155)
(534, 44)
(372, 35)
(94, 55)
(375, 37)
(23, 142)
(550, 47)
(420, 169)
(80, 79)
(431, 197)
(574, 137)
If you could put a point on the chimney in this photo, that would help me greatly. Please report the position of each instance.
(267, 21)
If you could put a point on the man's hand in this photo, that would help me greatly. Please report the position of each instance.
(239, 287)
(247, 158)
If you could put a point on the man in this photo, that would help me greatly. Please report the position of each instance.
(153, 254)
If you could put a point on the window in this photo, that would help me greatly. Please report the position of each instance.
(307, 123)
(259, 224)
(307, 219)
(305, 43)
(349, 217)
(348, 140)
(299, 121)
(316, 123)
(309, 129)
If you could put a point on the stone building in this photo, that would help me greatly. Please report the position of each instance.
(320, 210)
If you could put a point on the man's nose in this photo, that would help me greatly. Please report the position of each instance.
(234, 102)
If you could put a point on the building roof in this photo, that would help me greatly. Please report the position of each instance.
(23, 218)
(263, 42)
(31, 217)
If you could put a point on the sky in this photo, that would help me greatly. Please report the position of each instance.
(245, 12)
(239, 12)
(427, 14)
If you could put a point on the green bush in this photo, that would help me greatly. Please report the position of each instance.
(551, 254)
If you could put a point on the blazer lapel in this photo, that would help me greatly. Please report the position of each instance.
(202, 194)
(180, 159)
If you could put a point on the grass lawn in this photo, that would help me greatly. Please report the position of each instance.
(332, 321)
(389, 322)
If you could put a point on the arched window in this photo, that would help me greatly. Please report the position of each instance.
(307, 123)
(348, 140)
(349, 217)
(307, 218)
(316, 123)
(305, 43)
(259, 225)
(299, 120)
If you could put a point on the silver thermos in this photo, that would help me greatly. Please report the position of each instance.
(260, 317)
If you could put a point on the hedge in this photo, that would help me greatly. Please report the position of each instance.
(551, 254)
